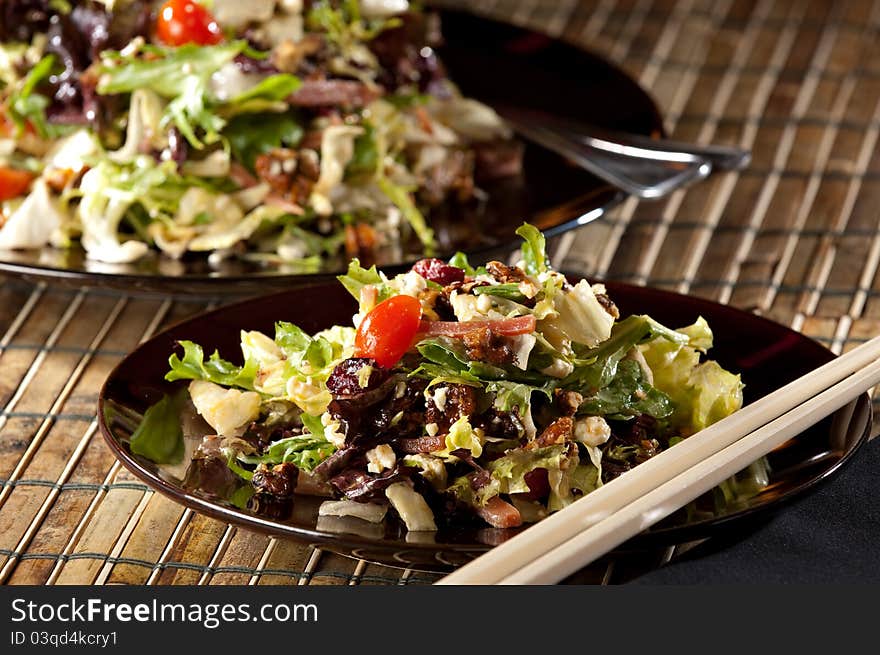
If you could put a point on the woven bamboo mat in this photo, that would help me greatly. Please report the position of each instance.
(795, 238)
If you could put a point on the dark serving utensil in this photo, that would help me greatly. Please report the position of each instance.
(641, 166)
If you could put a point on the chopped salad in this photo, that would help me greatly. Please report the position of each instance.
(284, 132)
(495, 395)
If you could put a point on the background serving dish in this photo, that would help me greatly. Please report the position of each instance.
(490, 61)
(765, 353)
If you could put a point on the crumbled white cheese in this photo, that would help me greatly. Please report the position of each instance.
(331, 430)
(410, 284)
(380, 458)
(592, 430)
(440, 398)
(432, 429)
(399, 389)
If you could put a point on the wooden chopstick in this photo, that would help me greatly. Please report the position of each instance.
(787, 409)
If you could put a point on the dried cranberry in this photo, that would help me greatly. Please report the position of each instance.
(436, 270)
(347, 380)
(538, 483)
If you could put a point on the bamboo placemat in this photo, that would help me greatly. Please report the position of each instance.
(795, 238)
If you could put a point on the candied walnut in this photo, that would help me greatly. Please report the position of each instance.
(608, 305)
(289, 173)
(484, 345)
(505, 274)
(277, 168)
(568, 401)
(448, 403)
(360, 242)
(559, 431)
(422, 444)
(280, 480)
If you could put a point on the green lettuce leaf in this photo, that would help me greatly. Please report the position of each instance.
(183, 76)
(533, 249)
(193, 366)
(274, 88)
(357, 277)
(628, 395)
(598, 366)
(291, 338)
(508, 291)
(28, 106)
(251, 135)
(365, 160)
(510, 470)
(306, 451)
(460, 260)
(702, 392)
(159, 436)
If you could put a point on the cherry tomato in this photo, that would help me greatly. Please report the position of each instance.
(186, 21)
(13, 183)
(387, 331)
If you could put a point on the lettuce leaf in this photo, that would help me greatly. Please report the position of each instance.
(159, 436)
(251, 135)
(26, 106)
(183, 76)
(305, 451)
(533, 249)
(628, 395)
(193, 366)
(633, 330)
(702, 392)
(358, 277)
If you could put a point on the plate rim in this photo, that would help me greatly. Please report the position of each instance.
(646, 539)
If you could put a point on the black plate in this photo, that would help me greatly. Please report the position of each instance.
(490, 61)
(766, 354)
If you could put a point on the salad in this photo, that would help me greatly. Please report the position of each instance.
(284, 132)
(494, 395)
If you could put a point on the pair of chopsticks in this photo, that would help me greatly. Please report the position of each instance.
(568, 540)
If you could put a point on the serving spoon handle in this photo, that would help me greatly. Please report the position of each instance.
(639, 165)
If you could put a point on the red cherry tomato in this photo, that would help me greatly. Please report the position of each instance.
(186, 21)
(388, 330)
(13, 183)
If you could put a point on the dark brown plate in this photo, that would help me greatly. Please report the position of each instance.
(766, 354)
(489, 60)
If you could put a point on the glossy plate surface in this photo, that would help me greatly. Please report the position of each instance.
(491, 61)
(766, 354)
